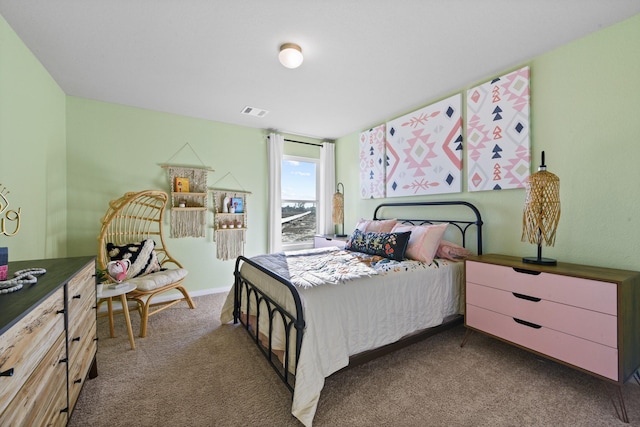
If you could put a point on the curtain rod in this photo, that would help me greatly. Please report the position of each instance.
(300, 142)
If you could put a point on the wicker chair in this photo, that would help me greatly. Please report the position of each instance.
(135, 218)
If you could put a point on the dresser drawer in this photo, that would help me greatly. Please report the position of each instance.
(591, 325)
(27, 342)
(588, 355)
(584, 293)
(81, 293)
(44, 395)
(81, 354)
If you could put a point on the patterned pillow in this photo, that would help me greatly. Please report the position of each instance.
(141, 255)
(388, 245)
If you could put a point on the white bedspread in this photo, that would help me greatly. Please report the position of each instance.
(362, 314)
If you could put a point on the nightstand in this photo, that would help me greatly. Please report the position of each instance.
(326, 240)
(582, 316)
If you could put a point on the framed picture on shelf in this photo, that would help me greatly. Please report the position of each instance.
(238, 205)
(182, 185)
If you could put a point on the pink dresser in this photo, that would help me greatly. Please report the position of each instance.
(581, 316)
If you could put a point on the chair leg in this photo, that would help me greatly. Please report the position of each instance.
(187, 297)
(144, 317)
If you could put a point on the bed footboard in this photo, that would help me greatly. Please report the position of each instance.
(254, 307)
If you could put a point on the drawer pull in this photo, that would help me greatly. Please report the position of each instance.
(75, 339)
(7, 373)
(60, 311)
(525, 323)
(525, 271)
(77, 296)
(77, 381)
(527, 297)
(65, 360)
(62, 411)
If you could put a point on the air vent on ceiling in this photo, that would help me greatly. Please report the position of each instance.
(251, 111)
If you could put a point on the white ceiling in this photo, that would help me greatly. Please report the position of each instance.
(366, 61)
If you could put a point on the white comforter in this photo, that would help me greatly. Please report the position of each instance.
(362, 314)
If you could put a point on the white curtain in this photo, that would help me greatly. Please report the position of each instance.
(327, 187)
(275, 152)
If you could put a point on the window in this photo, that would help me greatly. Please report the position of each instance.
(299, 187)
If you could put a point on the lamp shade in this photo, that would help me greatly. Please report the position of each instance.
(290, 55)
(541, 209)
(337, 211)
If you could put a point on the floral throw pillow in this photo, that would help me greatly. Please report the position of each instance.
(388, 245)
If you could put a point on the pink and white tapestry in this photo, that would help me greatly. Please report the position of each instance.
(372, 163)
(424, 150)
(498, 139)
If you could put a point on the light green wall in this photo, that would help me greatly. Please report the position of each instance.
(114, 149)
(585, 104)
(32, 152)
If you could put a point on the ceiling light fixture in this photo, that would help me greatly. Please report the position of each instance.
(290, 55)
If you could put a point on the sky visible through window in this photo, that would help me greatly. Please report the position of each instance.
(298, 187)
(298, 180)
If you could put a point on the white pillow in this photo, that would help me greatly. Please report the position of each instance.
(424, 240)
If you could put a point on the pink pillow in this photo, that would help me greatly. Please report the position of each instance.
(424, 240)
(451, 251)
(376, 226)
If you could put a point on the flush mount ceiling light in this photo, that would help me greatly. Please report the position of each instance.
(290, 55)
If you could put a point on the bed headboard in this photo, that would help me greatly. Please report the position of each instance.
(469, 216)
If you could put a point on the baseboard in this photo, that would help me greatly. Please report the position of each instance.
(166, 297)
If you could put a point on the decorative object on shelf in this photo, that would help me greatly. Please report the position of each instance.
(541, 212)
(225, 204)
(182, 185)
(498, 138)
(20, 278)
(237, 203)
(338, 209)
(9, 214)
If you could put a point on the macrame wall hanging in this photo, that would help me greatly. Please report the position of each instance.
(188, 198)
(229, 221)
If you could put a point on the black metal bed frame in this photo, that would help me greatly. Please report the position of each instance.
(295, 321)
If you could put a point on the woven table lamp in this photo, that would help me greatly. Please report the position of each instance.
(338, 208)
(541, 212)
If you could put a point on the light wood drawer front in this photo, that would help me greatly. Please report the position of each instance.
(83, 353)
(26, 343)
(81, 317)
(44, 395)
(591, 325)
(589, 294)
(81, 292)
(593, 357)
(83, 334)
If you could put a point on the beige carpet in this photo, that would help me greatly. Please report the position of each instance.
(192, 371)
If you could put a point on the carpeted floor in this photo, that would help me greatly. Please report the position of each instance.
(192, 371)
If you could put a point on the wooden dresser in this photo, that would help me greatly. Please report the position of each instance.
(585, 317)
(48, 342)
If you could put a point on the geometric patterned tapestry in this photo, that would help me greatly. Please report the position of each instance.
(424, 150)
(498, 138)
(372, 163)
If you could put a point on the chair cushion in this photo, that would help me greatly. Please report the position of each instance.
(156, 280)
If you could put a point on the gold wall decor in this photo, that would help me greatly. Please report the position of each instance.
(8, 215)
